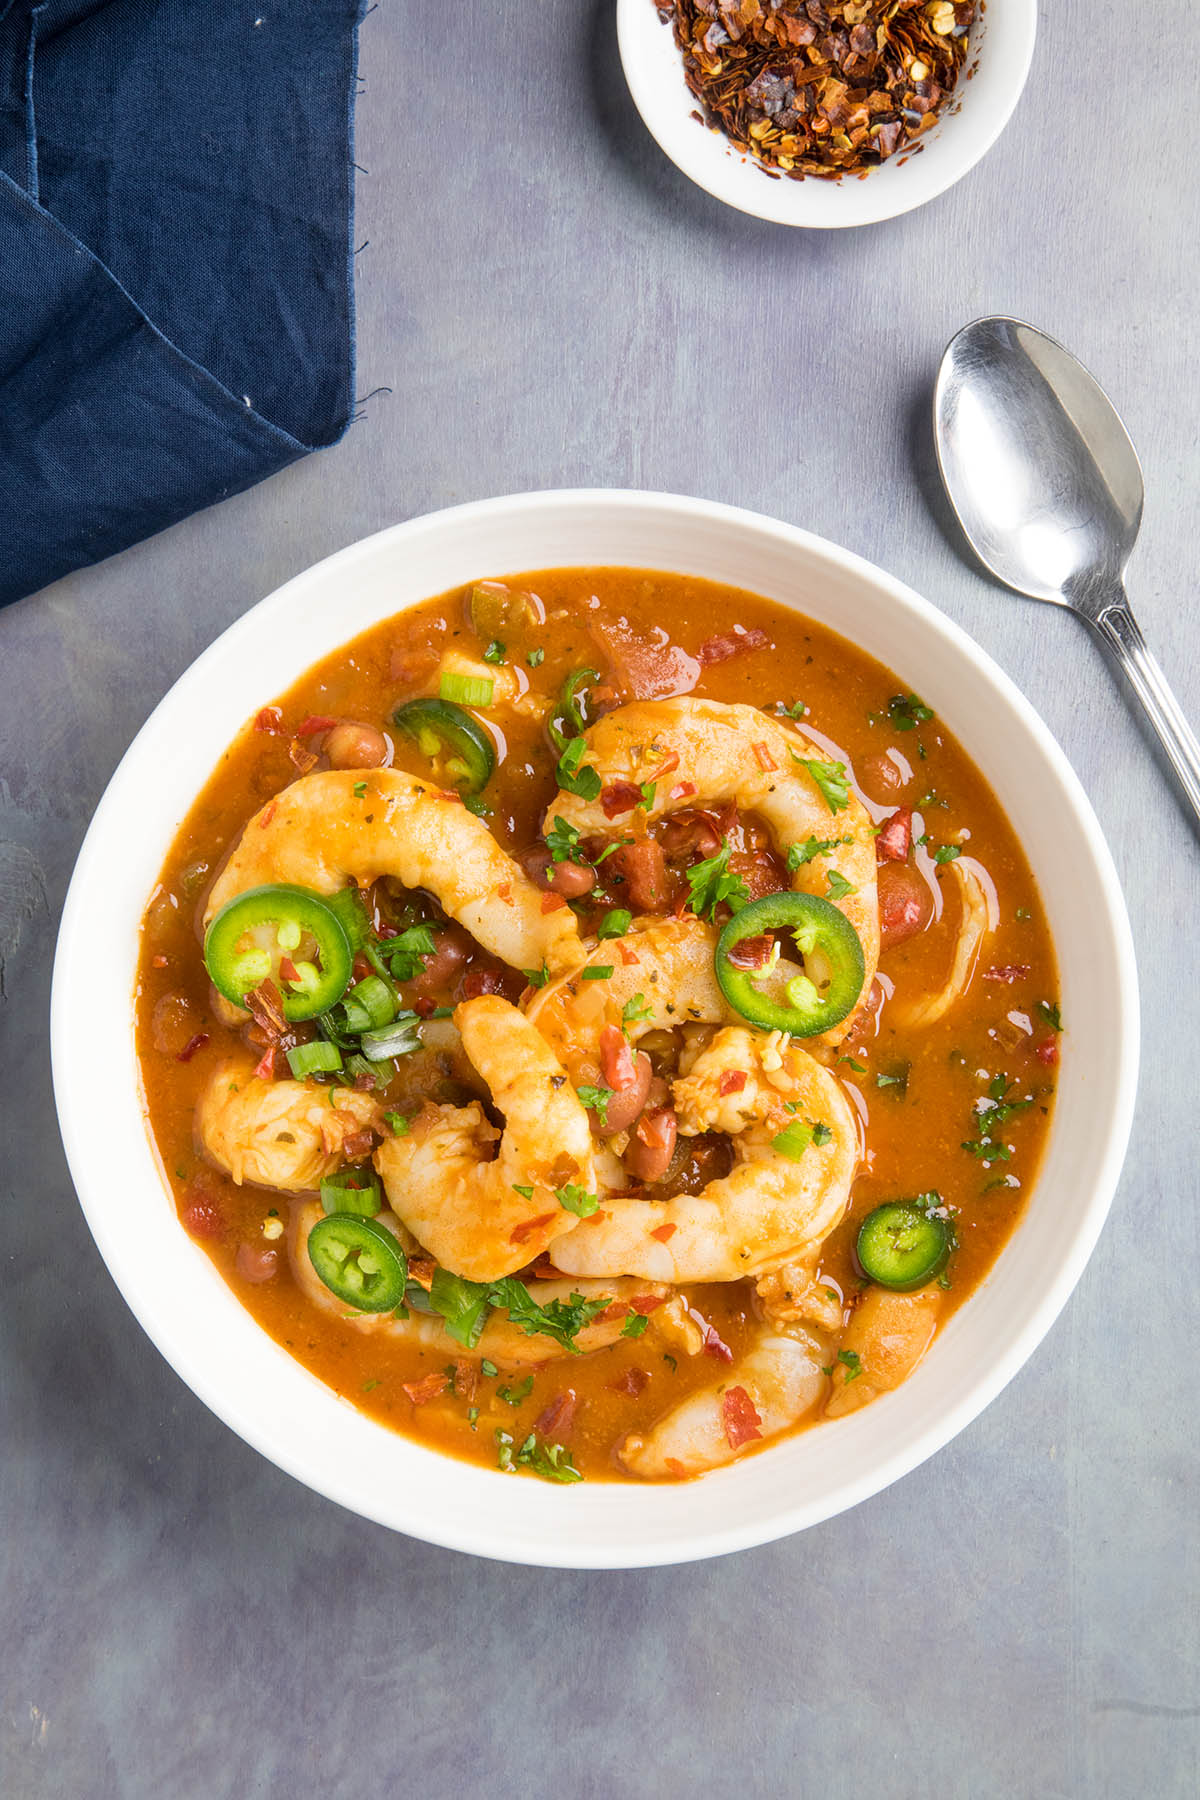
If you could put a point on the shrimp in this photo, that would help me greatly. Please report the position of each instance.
(662, 976)
(737, 753)
(501, 1342)
(773, 1386)
(356, 824)
(886, 1338)
(278, 1134)
(482, 1218)
(780, 1200)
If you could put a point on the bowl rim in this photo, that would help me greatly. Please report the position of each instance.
(71, 1063)
(865, 202)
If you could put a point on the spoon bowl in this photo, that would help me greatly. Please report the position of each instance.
(1046, 485)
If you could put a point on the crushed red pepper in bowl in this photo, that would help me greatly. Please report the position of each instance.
(821, 87)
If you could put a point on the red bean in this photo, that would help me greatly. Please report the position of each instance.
(451, 948)
(627, 1102)
(353, 746)
(255, 1263)
(652, 1145)
(880, 778)
(895, 836)
(905, 904)
(570, 879)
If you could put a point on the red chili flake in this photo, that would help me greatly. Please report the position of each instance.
(265, 1005)
(314, 724)
(1046, 1051)
(619, 797)
(302, 760)
(732, 1081)
(628, 956)
(764, 758)
(1006, 973)
(482, 981)
(616, 1060)
(448, 794)
(751, 952)
(895, 836)
(552, 902)
(466, 1378)
(715, 1345)
(558, 1417)
(289, 971)
(528, 1227)
(683, 790)
(267, 814)
(676, 1467)
(265, 1070)
(203, 1220)
(632, 1381)
(645, 1303)
(664, 1233)
(359, 1143)
(270, 719)
(544, 1270)
(741, 1420)
(158, 962)
(504, 891)
(828, 88)
(190, 1048)
(669, 763)
(428, 1388)
(733, 643)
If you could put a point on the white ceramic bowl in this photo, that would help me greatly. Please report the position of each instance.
(284, 1411)
(1001, 49)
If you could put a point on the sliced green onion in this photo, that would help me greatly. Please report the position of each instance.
(351, 1191)
(793, 1140)
(597, 972)
(317, 1058)
(351, 914)
(374, 997)
(467, 690)
(400, 1038)
(359, 1069)
(615, 924)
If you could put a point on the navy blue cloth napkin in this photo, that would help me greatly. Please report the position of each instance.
(176, 295)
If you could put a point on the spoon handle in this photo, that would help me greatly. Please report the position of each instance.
(1118, 628)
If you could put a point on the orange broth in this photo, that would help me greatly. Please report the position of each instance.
(914, 1133)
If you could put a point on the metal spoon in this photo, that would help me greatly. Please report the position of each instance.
(1048, 489)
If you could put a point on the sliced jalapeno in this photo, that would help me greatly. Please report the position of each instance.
(444, 732)
(569, 710)
(834, 969)
(282, 934)
(903, 1245)
(360, 1263)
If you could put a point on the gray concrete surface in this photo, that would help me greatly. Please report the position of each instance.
(553, 304)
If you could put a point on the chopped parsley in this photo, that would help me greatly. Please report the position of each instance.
(799, 854)
(577, 1200)
(851, 1361)
(839, 887)
(993, 1112)
(526, 1193)
(360, 788)
(615, 924)
(397, 1123)
(537, 977)
(635, 1324)
(475, 803)
(536, 658)
(1048, 1010)
(513, 1396)
(711, 884)
(895, 1077)
(405, 955)
(907, 712)
(596, 1100)
(830, 777)
(562, 841)
(821, 1133)
(946, 853)
(495, 652)
(859, 1068)
(633, 1012)
(551, 1461)
(583, 781)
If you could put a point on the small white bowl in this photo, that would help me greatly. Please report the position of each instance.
(1001, 49)
(272, 1401)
